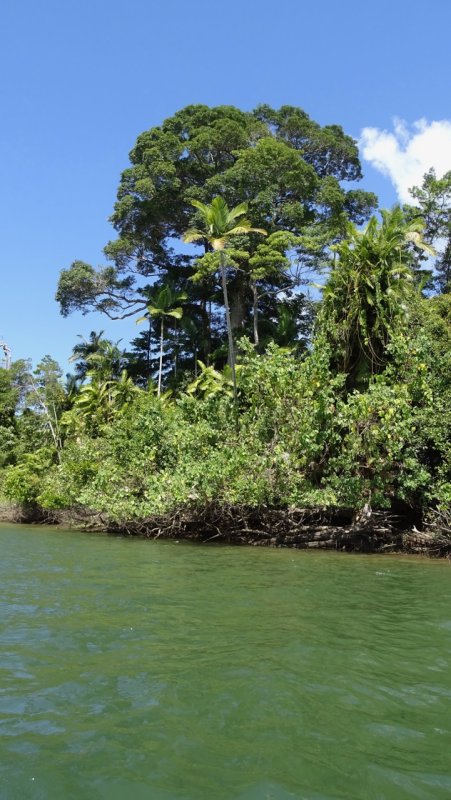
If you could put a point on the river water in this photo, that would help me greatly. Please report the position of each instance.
(170, 671)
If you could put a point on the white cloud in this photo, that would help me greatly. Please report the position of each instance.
(407, 153)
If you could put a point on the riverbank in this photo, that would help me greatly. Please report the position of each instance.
(320, 529)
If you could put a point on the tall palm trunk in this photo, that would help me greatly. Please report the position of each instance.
(208, 337)
(149, 353)
(255, 314)
(229, 326)
(160, 371)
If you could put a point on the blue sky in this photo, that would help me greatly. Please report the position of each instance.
(80, 80)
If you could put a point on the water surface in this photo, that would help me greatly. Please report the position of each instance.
(136, 669)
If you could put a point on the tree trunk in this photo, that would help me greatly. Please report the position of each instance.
(229, 326)
(149, 353)
(255, 311)
(237, 292)
(445, 268)
(208, 337)
(206, 321)
(161, 356)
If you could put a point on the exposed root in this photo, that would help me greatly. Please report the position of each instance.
(263, 526)
(334, 529)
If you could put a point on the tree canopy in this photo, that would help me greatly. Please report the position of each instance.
(433, 200)
(290, 171)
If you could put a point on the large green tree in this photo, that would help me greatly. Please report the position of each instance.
(14, 383)
(433, 200)
(290, 170)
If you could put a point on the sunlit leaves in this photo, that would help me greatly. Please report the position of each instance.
(368, 294)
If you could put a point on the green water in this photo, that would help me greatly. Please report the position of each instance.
(133, 669)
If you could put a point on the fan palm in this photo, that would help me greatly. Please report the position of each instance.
(219, 224)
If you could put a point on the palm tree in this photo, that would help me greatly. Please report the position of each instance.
(98, 402)
(124, 391)
(93, 406)
(369, 292)
(97, 354)
(219, 224)
(211, 382)
(163, 303)
(85, 348)
(106, 362)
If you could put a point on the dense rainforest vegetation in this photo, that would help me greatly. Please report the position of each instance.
(294, 348)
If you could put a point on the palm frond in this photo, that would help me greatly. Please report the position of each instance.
(177, 313)
(193, 235)
(201, 206)
(417, 239)
(238, 211)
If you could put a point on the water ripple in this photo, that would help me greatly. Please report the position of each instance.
(146, 669)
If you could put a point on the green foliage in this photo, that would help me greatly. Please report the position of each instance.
(302, 440)
(62, 485)
(376, 457)
(211, 382)
(369, 293)
(288, 170)
(97, 403)
(81, 288)
(359, 416)
(435, 365)
(433, 199)
(11, 392)
(318, 429)
(8, 444)
(23, 482)
(220, 225)
(162, 304)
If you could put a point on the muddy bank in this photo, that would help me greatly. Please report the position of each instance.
(321, 529)
(77, 517)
